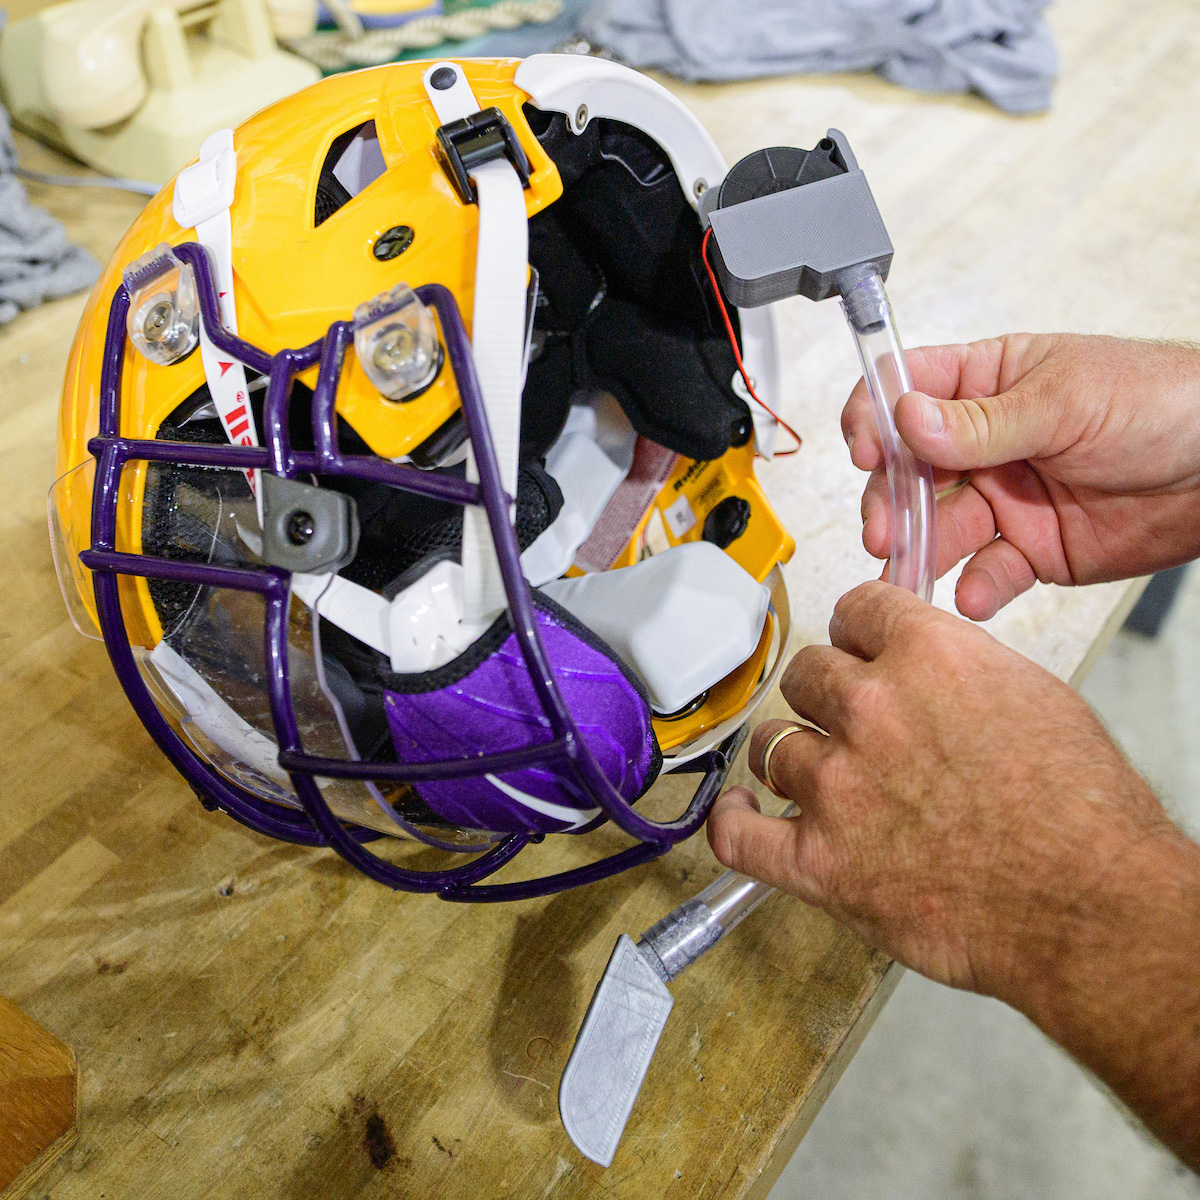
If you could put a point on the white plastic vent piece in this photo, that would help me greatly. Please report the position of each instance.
(422, 628)
(361, 163)
(681, 620)
(589, 461)
(426, 625)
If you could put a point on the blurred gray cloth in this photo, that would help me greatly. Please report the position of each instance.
(1002, 49)
(37, 260)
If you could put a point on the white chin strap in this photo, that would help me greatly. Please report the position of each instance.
(202, 198)
(437, 618)
(497, 335)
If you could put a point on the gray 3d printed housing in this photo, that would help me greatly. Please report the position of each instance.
(790, 222)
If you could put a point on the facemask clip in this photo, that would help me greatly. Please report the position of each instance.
(164, 314)
(397, 345)
(307, 529)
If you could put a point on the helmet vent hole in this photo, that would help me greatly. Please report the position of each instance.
(353, 162)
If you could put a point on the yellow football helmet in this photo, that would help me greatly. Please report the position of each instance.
(407, 469)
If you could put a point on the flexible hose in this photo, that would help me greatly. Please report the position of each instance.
(912, 561)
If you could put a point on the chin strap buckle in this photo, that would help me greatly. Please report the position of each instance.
(482, 137)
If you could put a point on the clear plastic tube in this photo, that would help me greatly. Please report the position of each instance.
(732, 897)
(912, 561)
(700, 923)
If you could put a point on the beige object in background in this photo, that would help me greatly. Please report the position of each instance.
(133, 87)
(292, 18)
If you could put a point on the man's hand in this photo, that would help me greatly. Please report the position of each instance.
(1078, 460)
(966, 812)
(959, 795)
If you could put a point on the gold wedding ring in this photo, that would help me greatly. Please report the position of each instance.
(770, 749)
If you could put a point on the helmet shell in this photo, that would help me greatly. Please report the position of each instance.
(300, 265)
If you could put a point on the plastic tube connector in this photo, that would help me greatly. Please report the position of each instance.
(681, 937)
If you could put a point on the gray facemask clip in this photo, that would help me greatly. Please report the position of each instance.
(307, 529)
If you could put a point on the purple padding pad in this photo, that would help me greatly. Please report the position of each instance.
(494, 707)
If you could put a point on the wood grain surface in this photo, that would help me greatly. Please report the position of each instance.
(254, 1020)
(38, 1080)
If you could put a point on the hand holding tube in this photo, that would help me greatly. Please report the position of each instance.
(1060, 457)
(700, 923)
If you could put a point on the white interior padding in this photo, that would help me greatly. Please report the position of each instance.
(589, 461)
(681, 620)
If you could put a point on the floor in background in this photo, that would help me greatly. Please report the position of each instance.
(954, 1097)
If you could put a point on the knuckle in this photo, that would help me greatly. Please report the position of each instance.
(923, 643)
(920, 623)
(1026, 402)
(845, 615)
(857, 399)
(805, 665)
(871, 592)
(854, 601)
(981, 419)
(875, 492)
(860, 700)
(825, 872)
(724, 838)
(799, 667)
(832, 778)
(758, 743)
(849, 414)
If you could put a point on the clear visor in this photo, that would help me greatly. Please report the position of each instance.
(68, 504)
(207, 671)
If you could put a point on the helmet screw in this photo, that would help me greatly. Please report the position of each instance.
(581, 118)
(741, 431)
(391, 243)
(300, 528)
(727, 522)
(700, 187)
(443, 78)
(157, 319)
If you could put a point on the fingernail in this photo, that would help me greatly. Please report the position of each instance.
(931, 416)
(850, 444)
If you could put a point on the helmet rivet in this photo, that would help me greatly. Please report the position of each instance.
(394, 347)
(581, 118)
(443, 78)
(300, 528)
(157, 319)
(700, 187)
(391, 243)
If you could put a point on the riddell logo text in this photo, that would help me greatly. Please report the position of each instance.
(693, 472)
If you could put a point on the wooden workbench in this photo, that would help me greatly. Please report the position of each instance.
(253, 1019)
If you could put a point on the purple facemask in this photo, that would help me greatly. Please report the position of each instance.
(577, 736)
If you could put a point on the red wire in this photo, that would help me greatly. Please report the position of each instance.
(737, 354)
